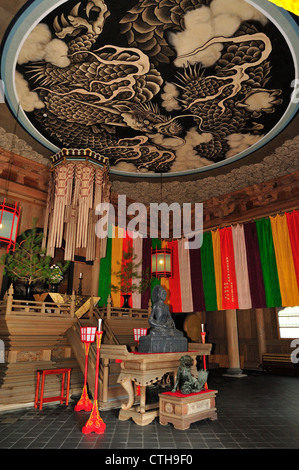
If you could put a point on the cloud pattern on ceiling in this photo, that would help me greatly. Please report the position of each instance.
(158, 86)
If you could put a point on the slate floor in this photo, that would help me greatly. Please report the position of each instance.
(258, 411)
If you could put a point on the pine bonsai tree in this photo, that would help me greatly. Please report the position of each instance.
(29, 263)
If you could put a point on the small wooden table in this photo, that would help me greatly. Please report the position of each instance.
(144, 370)
(182, 410)
(62, 397)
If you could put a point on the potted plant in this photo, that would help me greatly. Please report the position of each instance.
(56, 275)
(130, 278)
(28, 263)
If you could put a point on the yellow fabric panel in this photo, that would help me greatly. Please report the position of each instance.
(217, 266)
(116, 255)
(284, 260)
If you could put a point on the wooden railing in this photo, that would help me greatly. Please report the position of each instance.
(11, 306)
(118, 312)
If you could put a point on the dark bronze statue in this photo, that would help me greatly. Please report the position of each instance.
(163, 335)
(160, 319)
(186, 383)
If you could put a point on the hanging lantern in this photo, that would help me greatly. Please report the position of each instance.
(161, 262)
(9, 223)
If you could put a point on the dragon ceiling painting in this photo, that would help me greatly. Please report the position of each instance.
(157, 86)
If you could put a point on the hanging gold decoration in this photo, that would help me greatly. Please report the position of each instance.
(79, 182)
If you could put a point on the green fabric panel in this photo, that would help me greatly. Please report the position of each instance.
(156, 243)
(208, 272)
(105, 273)
(268, 262)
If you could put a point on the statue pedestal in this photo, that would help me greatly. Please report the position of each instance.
(160, 344)
(182, 410)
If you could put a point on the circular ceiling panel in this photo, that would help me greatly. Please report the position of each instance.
(158, 86)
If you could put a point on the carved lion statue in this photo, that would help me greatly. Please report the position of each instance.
(186, 383)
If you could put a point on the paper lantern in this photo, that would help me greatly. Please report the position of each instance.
(88, 334)
(161, 262)
(9, 223)
(139, 332)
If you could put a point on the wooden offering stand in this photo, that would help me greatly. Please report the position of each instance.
(145, 369)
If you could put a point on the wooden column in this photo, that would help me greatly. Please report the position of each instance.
(260, 327)
(95, 273)
(233, 344)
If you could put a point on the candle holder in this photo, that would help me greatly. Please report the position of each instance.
(80, 285)
(95, 422)
(137, 333)
(87, 337)
(203, 340)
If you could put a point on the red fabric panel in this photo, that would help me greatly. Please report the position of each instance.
(229, 280)
(293, 227)
(174, 281)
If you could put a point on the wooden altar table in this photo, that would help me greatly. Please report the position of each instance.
(146, 369)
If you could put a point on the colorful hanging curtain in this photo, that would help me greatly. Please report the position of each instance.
(208, 272)
(146, 264)
(185, 276)
(255, 274)
(175, 281)
(254, 265)
(137, 253)
(116, 259)
(293, 226)
(127, 250)
(268, 262)
(217, 267)
(105, 272)
(241, 267)
(228, 272)
(284, 258)
(197, 283)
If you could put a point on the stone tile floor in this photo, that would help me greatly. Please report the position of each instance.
(259, 411)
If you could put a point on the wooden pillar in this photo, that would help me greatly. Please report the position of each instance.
(72, 307)
(95, 272)
(9, 300)
(233, 344)
(260, 327)
(108, 307)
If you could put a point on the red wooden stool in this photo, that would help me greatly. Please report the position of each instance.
(60, 398)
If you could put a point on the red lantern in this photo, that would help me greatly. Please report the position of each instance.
(9, 223)
(161, 262)
(88, 334)
(139, 332)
